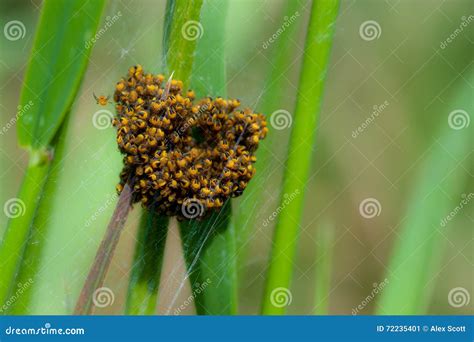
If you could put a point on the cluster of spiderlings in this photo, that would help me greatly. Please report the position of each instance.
(178, 150)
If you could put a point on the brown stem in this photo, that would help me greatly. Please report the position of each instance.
(104, 254)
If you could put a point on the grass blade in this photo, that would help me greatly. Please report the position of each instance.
(274, 89)
(183, 33)
(146, 269)
(418, 251)
(324, 251)
(63, 41)
(310, 91)
(210, 244)
(57, 64)
(208, 248)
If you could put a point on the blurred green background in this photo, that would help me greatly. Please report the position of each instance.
(403, 67)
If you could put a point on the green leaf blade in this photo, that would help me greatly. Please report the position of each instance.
(209, 249)
(58, 61)
(417, 254)
(55, 70)
(184, 31)
(148, 261)
(210, 245)
(310, 92)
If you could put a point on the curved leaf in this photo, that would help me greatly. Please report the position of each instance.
(58, 60)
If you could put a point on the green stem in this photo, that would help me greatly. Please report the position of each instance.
(325, 239)
(315, 61)
(245, 215)
(22, 212)
(148, 261)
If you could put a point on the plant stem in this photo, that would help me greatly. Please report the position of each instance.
(22, 210)
(104, 254)
(325, 239)
(310, 91)
(148, 261)
(246, 214)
